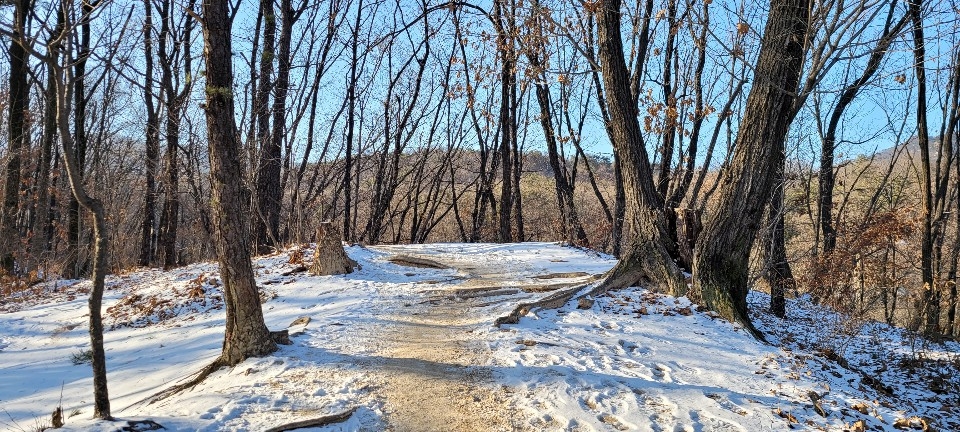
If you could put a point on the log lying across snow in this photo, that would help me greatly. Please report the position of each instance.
(415, 261)
(315, 422)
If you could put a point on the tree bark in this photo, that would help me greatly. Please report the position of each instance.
(266, 215)
(246, 334)
(777, 271)
(721, 258)
(18, 133)
(649, 252)
(329, 257)
(147, 233)
(930, 296)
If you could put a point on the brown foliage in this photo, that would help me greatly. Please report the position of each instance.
(869, 259)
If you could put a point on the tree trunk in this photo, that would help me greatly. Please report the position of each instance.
(246, 334)
(506, 125)
(721, 258)
(175, 99)
(828, 147)
(930, 299)
(275, 189)
(40, 241)
(43, 226)
(329, 257)
(64, 87)
(147, 234)
(18, 133)
(649, 252)
(777, 271)
(687, 224)
(266, 214)
(619, 209)
(75, 266)
(572, 228)
(351, 113)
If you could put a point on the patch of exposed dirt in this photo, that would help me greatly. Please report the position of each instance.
(434, 376)
(436, 379)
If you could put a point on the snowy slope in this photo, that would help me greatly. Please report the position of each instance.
(414, 349)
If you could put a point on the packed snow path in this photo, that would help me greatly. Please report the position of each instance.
(413, 349)
(434, 376)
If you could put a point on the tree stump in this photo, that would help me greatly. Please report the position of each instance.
(329, 257)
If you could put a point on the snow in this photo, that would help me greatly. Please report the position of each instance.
(414, 348)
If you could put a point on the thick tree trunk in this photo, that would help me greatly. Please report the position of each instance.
(619, 209)
(649, 252)
(720, 270)
(246, 334)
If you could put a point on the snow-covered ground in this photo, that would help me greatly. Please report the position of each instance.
(414, 348)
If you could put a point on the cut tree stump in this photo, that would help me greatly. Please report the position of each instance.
(330, 258)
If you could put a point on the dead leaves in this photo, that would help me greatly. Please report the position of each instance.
(742, 29)
(858, 426)
(913, 423)
(786, 416)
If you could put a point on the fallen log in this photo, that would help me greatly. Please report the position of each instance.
(315, 422)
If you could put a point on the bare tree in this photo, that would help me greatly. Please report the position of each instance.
(148, 227)
(721, 255)
(246, 334)
(18, 133)
(828, 149)
(58, 58)
(267, 205)
(173, 51)
(649, 254)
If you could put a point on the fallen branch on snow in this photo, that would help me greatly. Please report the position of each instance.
(315, 422)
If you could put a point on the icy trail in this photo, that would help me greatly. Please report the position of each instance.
(435, 373)
(414, 349)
